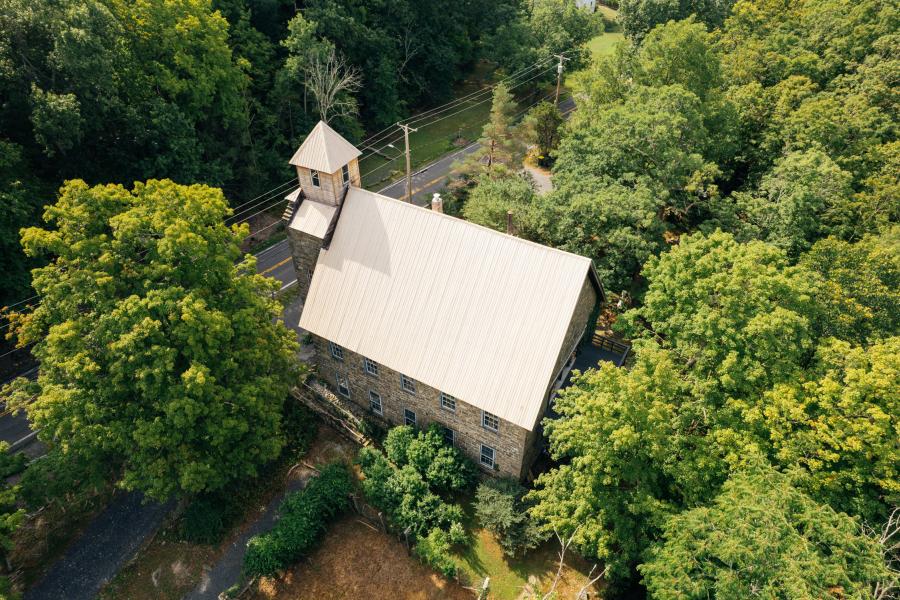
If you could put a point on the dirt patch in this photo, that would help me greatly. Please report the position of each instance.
(355, 561)
(164, 569)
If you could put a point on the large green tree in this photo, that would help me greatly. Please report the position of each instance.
(159, 346)
(638, 17)
(762, 537)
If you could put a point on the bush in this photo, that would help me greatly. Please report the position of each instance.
(300, 426)
(434, 550)
(397, 442)
(303, 518)
(500, 510)
(409, 489)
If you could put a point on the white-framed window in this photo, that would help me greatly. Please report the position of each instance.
(448, 402)
(489, 421)
(409, 417)
(488, 457)
(345, 174)
(407, 384)
(315, 177)
(449, 436)
(375, 403)
(336, 351)
(343, 386)
(370, 367)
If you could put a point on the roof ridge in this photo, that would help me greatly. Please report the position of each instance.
(471, 224)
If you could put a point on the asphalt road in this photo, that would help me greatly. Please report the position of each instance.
(97, 555)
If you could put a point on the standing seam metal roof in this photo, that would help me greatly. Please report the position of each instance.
(472, 312)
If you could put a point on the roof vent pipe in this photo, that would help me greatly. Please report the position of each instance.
(437, 203)
(509, 222)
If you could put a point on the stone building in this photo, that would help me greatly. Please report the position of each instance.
(419, 317)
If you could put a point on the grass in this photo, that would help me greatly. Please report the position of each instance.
(446, 132)
(508, 577)
(605, 43)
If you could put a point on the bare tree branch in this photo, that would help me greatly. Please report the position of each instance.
(332, 82)
(889, 540)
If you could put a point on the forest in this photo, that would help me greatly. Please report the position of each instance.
(732, 168)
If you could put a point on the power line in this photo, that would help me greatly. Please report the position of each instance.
(370, 141)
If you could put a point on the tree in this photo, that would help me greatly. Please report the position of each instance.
(836, 425)
(491, 200)
(546, 28)
(500, 149)
(639, 17)
(542, 125)
(722, 323)
(501, 510)
(332, 83)
(159, 351)
(860, 285)
(763, 537)
(616, 225)
(802, 197)
(735, 314)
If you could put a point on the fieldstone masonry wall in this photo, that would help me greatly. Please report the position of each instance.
(305, 253)
(509, 443)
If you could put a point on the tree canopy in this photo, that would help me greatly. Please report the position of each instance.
(157, 342)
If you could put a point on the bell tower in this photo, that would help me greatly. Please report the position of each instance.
(325, 163)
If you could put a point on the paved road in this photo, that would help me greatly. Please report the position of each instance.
(227, 570)
(111, 539)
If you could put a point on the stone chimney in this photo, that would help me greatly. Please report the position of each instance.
(509, 222)
(437, 203)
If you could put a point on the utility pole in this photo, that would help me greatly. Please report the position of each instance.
(559, 72)
(406, 129)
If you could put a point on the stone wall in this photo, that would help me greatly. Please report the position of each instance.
(509, 443)
(305, 254)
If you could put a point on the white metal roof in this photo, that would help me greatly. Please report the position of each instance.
(324, 149)
(313, 218)
(472, 312)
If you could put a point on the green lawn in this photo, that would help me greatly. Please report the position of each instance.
(428, 143)
(605, 43)
(446, 131)
(484, 558)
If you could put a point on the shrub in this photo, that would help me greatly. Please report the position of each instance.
(434, 550)
(500, 510)
(299, 425)
(303, 517)
(397, 442)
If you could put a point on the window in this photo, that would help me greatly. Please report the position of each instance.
(336, 351)
(487, 457)
(343, 386)
(448, 402)
(449, 436)
(315, 177)
(371, 367)
(345, 174)
(375, 403)
(407, 384)
(409, 417)
(490, 421)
